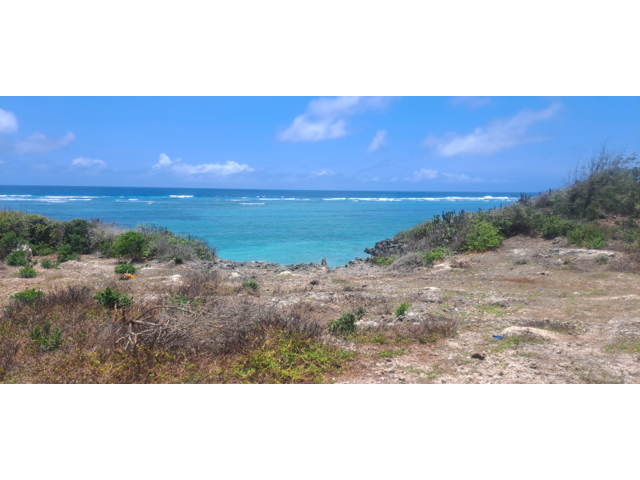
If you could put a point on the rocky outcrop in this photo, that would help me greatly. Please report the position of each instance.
(387, 248)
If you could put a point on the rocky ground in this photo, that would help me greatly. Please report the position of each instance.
(561, 314)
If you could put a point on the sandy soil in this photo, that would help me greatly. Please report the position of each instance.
(563, 316)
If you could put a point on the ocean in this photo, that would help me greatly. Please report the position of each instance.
(283, 226)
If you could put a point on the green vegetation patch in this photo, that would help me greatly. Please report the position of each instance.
(483, 236)
(29, 295)
(392, 353)
(384, 261)
(346, 324)
(623, 346)
(17, 259)
(27, 272)
(515, 342)
(402, 309)
(45, 338)
(125, 268)
(111, 299)
(252, 286)
(287, 357)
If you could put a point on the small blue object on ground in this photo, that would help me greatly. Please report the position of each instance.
(499, 337)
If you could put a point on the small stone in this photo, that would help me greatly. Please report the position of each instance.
(479, 356)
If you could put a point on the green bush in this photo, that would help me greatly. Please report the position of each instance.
(45, 339)
(346, 324)
(252, 285)
(66, 253)
(436, 254)
(552, 227)
(30, 295)
(110, 299)
(590, 235)
(484, 236)
(130, 244)
(48, 264)
(602, 259)
(384, 261)
(9, 241)
(42, 249)
(27, 272)
(125, 268)
(17, 259)
(402, 309)
(106, 249)
(179, 299)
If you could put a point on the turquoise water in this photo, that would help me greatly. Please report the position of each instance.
(283, 226)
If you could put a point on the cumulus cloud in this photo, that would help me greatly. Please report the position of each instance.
(323, 172)
(424, 174)
(471, 102)
(378, 141)
(39, 143)
(497, 136)
(8, 122)
(215, 169)
(324, 118)
(459, 177)
(88, 162)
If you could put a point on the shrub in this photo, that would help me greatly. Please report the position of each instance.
(590, 235)
(436, 254)
(66, 253)
(27, 272)
(125, 268)
(402, 309)
(111, 299)
(44, 338)
(30, 295)
(346, 324)
(106, 249)
(602, 260)
(484, 236)
(42, 249)
(17, 259)
(553, 227)
(10, 241)
(48, 264)
(252, 285)
(130, 244)
(447, 231)
(384, 261)
(166, 245)
(179, 299)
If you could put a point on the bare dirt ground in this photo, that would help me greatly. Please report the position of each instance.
(565, 315)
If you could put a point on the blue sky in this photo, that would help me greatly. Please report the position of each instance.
(325, 143)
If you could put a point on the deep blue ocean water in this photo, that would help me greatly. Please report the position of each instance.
(283, 226)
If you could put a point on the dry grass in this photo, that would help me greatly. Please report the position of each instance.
(199, 331)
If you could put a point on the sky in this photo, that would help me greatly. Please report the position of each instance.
(481, 144)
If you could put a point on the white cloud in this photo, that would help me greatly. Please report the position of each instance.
(39, 143)
(424, 174)
(378, 141)
(88, 162)
(324, 118)
(215, 169)
(497, 136)
(459, 177)
(8, 122)
(471, 102)
(323, 172)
